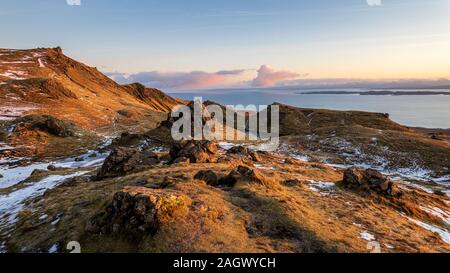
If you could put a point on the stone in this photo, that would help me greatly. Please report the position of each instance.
(123, 161)
(369, 180)
(195, 151)
(138, 211)
(243, 174)
(208, 176)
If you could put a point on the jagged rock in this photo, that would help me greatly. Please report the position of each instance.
(208, 176)
(1, 175)
(123, 160)
(138, 211)
(243, 174)
(195, 151)
(368, 180)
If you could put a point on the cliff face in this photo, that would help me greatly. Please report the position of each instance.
(45, 81)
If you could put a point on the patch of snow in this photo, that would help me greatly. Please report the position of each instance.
(43, 217)
(53, 249)
(367, 236)
(445, 216)
(3, 247)
(41, 63)
(56, 221)
(444, 234)
(388, 246)
(12, 203)
(15, 175)
(324, 188)
(12, 113)
(17, 62)
(226, 145)
(261, 166)
(15, 75)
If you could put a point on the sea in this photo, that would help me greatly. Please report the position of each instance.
(427, 111)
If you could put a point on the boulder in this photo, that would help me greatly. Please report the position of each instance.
(124, 160)
(243, 174)
(208, 176)
(369, 179)
(196, 151)
(243, 151)
(138, 211)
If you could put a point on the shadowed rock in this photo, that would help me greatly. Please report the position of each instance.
(124, 160)
(369, 179)
(243, 174)
(208, 176)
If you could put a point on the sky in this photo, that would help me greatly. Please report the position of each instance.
(196, 44)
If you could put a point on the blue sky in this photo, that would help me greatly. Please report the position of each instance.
(293, 38)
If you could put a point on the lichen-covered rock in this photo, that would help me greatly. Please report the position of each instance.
(368, 180)
(195, 151)
(138, 210)
(124, 160)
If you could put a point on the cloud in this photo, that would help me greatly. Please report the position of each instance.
(374, 3)
(73, 2)
(181, 80)
(270, 77)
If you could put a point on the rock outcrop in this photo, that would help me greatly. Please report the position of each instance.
(124, 160)
(45, 123)
(243, 174)
(245, 152)
(194, 152)
(138, 211)
(208, 176)
(368, 180)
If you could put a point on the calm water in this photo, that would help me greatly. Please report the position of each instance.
(420, 111)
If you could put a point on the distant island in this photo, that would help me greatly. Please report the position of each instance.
(378, 93)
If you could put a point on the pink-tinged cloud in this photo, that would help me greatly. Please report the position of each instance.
(181, 80)
(270, 77)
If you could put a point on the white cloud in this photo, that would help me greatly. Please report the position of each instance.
(73, 2)
(374, 3)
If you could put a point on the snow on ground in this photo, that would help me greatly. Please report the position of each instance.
(11, 204)
(13, 175)
(445, 216)
(15, 75)
(324, 188)
(11, 113)
(41, 63)
(53, 249)
(263, 167)
(367, 236)
(444, 234)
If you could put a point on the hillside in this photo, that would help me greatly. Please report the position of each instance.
(45, 81)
